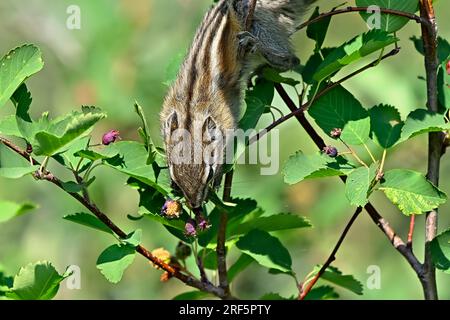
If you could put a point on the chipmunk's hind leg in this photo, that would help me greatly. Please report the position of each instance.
(268, 34)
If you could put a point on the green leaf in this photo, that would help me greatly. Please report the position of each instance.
(9, 210)
(253, 112)
(335, 276)
(411, 191)
(134, 238)
(66, 129)
(422, 121)
(339, 109)
(386, 125)
(88, 220)
(322, 293)
(264, 90)
(389, 22)
(300, 167)
(274, 76)
(443, 47)
(240, 265)
(72, 186)
(132, 161)
(36, 281)
(358, 185)
(311, 67)
(113, 262)
(352, 51)
(276, 222)
(12, 165)
(173, 67)
(192, 295)
(68, 156)
(440, 251)
(317, 31)
(266, 250)
(8, 126)
(356, 132)
(16, 66)
(209, 257)
(107, 152)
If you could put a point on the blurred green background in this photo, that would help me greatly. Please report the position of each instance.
(120, 54)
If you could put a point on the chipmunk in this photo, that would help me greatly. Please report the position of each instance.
(204, 101)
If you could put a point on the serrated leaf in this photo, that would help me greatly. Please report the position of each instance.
(411, 191)
(322, 293)
(311, 67)
(386, 125)
(36, 281)
(192, 295)
(88, 220)
(275, 222)
(150, 146)
(422, 121)
(300, 167)
(67, 157)
(335, 276)
(340, 109)
(17, 65)
(61, 132)
(356, 132)
(440, 251)
(240, 265)
(134, 238)
(132, 161)
(267, 250)
(359, 182)
(114, 260)
(9, 210)
(388, 22)
(317, 31)
(352, 51)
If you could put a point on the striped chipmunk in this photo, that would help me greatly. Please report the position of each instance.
(204, 101)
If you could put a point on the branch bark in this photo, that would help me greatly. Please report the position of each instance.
(189, 280)
(435, 141)
(221, 238)
(304, 292)
(362, 9)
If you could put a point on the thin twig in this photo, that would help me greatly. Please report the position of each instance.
(362, 9)
(355, 155)
(304, 291)
(306, 105)
(435, 141)
(221, 237)
(48, 176)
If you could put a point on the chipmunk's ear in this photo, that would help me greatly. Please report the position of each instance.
(171, 123)
(210, 130)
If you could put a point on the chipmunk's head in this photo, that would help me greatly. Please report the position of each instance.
(195, 153)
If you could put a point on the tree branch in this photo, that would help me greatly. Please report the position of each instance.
(435, 141)
(363, 9)
(189, 280)
(304, 291)
(384, 226)
(221, 237)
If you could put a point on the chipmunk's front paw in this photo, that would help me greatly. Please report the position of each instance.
(248, 43)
